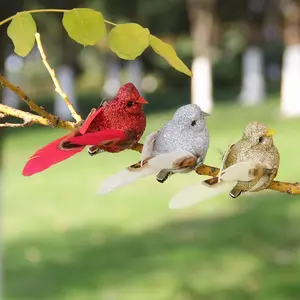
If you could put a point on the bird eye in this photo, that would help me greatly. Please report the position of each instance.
(261, 139)
(193, 123)
(129, 103)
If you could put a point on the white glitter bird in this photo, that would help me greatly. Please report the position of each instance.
(178, 147)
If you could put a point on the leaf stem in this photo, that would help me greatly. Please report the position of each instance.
(111, 23)
(33, 11)
(58, 88)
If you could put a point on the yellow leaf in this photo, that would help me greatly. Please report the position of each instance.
(21, 31)
(168, 53)
(129, 40)
(84, 25)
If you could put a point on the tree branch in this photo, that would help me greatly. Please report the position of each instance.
(14, 125)
(207, 170)
(279, 186)
(44, 117)
(26, 116)
(58, 88)
(137, 147)
(285, 187)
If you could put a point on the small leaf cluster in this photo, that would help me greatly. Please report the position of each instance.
(87, 27)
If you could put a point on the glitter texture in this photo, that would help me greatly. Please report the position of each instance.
(179, 134)
(115, 114)
(255, 146)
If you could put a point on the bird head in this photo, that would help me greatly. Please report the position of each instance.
(259, 134)
(130, 99)
(191, 116)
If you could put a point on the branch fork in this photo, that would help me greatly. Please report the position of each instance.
(43, 117)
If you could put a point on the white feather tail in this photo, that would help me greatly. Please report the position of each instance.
(153, 166)
(228, 178)
(148, 146)
(194, 194)
(123, 178)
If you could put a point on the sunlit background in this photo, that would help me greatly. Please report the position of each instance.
(63, 241)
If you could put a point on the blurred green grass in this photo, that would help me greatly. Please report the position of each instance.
(62, 241)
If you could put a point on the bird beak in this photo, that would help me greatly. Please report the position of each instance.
(141, 100)
(206, 114)
(270, 132)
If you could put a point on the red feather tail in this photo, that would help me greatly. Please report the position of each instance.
(49, 155)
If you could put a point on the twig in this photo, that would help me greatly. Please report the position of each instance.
(285, 187)
(137, 147)
(30, 118)
(14, 125)
(207, 170)
(49, 119)
(15, 89)
(26, 116)
(58, 88)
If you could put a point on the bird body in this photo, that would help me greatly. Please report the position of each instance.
(249, 165)
(113, 127)
(186, 132)
(179, 134)
(177, 147)
(256, 145)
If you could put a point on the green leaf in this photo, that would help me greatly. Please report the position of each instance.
(129, 40)
(21, 31)
(84, 25)
(168, 53)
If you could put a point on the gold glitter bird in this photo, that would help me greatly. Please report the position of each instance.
(253, 162)
(256, 145)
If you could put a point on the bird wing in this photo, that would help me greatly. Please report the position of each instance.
(242, 171)
(174, 160)
(148, 146)
(102, 137)
(260, 182)
(225, 156)
(263, 175)
(146, 151)
(90, 118)
(186, 162)
(167, 160)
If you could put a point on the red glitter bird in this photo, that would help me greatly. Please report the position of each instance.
(113, 127)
